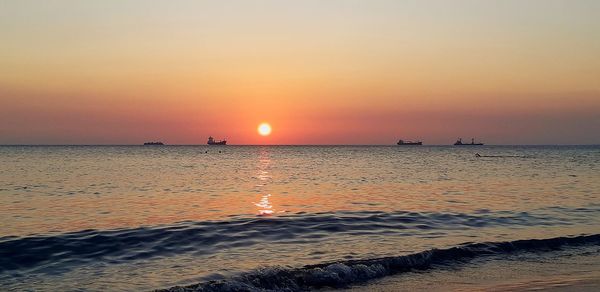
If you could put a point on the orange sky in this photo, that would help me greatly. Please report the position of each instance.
(321, 72)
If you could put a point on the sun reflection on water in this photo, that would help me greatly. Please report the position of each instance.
(265, 208)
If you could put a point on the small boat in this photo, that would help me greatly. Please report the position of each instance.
(212, 141)
(460, 143)
(153, 143)
(407, 143)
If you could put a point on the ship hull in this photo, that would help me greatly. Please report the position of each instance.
(410, 144)
(218, 143)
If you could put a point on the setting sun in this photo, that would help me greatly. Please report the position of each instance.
(405, 128)
(264, 129)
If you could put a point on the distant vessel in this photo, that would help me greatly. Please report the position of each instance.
(402, 142)
(460, 143)
(154, 143)
(212, 141)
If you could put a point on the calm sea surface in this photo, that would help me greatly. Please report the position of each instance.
(149, 217)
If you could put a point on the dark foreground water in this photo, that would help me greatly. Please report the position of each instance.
(279, 217)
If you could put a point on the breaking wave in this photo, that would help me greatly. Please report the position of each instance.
(344, 273)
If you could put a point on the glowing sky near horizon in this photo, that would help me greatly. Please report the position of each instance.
(320, 72)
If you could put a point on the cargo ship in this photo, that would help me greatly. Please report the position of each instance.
(212, 141)
(460, 143)
(153, 143)
(408, 143)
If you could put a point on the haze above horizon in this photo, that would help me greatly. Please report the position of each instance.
(319, 72)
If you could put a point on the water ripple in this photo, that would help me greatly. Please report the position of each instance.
(39, 252)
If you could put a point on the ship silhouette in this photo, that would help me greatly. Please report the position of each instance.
(460, 143)
(212, 141)
(408, 143)
(154, 143)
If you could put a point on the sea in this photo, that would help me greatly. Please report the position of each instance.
(297, 218)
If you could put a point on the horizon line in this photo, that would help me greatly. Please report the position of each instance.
(411, 146)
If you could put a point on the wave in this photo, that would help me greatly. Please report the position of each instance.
(344, 273)
(208, 237)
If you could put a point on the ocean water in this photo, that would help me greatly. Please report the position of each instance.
(287, 217)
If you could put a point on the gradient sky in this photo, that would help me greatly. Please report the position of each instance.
(321, 72)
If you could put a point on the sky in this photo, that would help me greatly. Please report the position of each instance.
(320, 72)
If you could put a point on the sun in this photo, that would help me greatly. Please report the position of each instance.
(264, 129)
